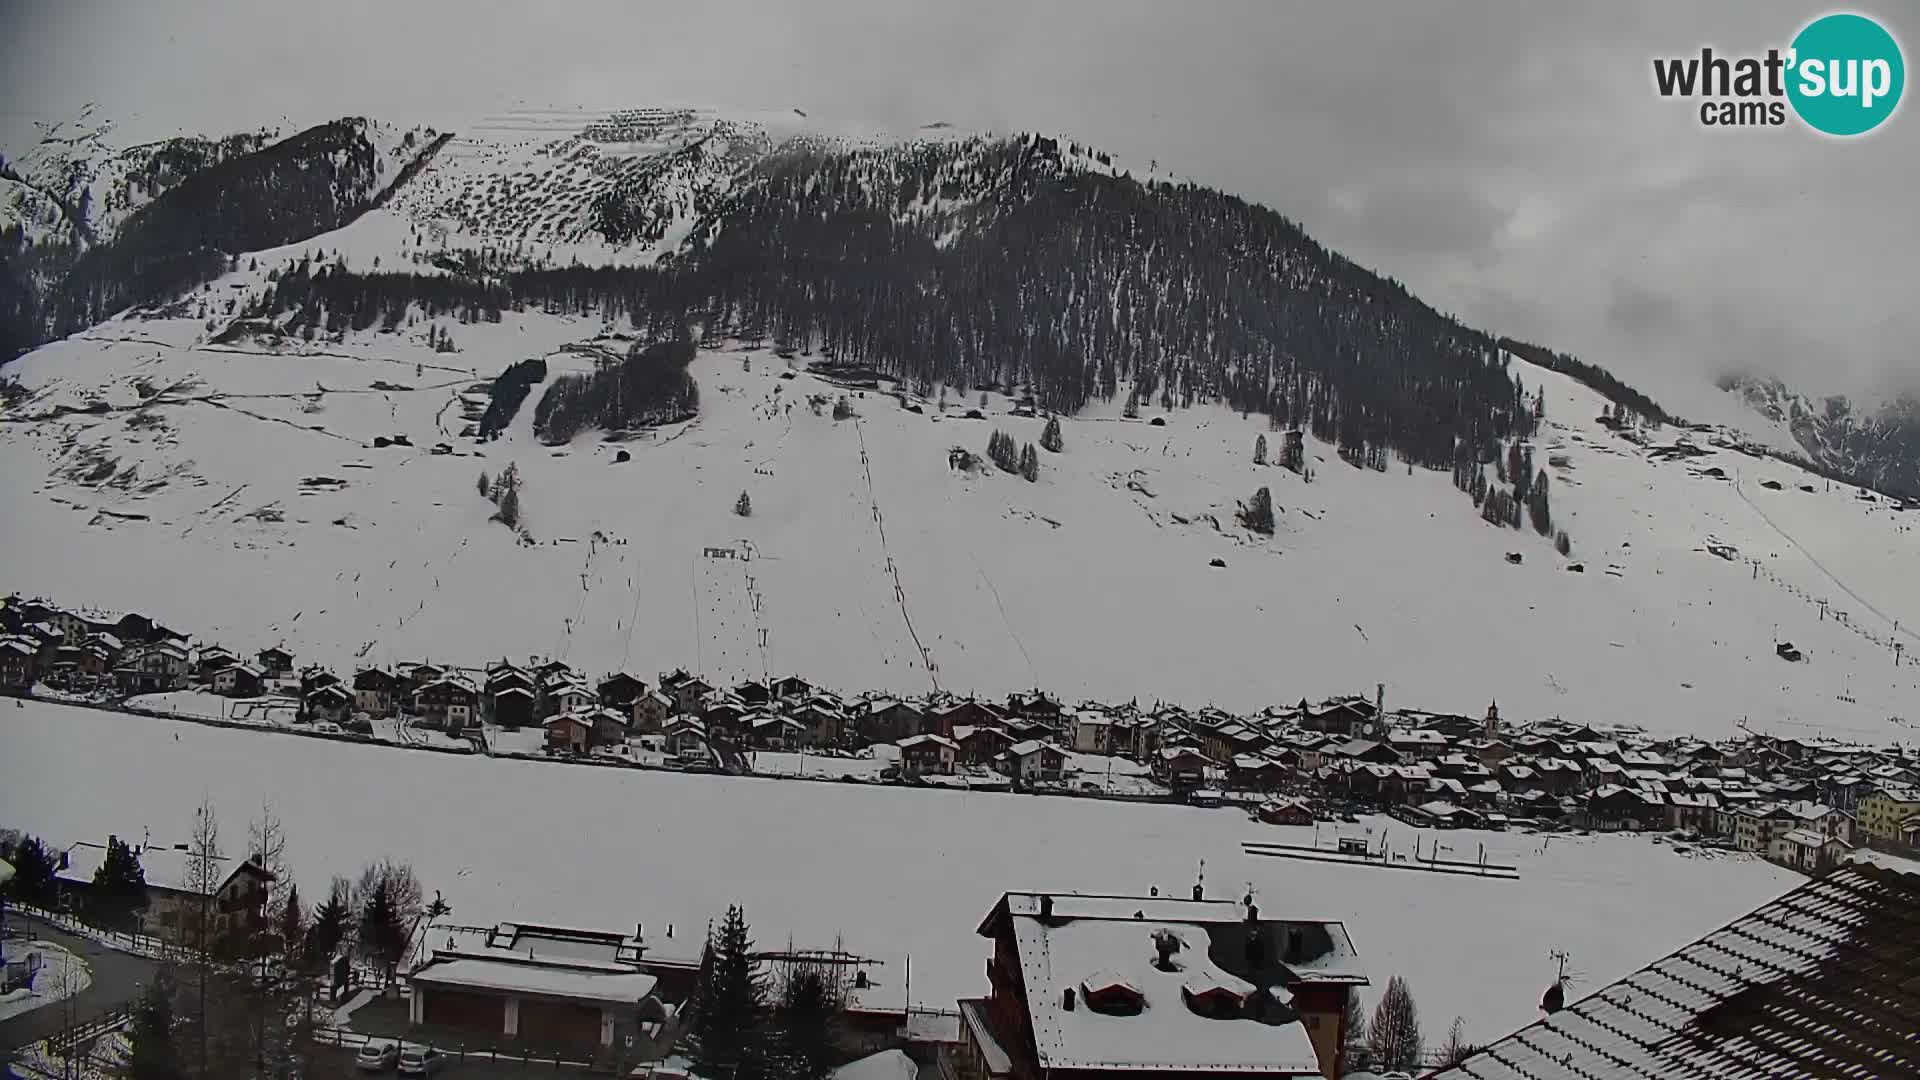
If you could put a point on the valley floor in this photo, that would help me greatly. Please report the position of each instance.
(894, 873)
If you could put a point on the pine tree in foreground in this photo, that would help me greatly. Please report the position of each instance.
(119, 891)
(151, 1054)
(33, 872)
(292, 928)
(1029, 463)
(804, 1046)
(332, 927)
(743, 506)
(728, 1003)
(384, 926)
(1393, 1038)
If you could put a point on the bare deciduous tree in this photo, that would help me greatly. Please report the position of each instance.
(1457, 1048)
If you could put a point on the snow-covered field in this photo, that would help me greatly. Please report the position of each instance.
(61, 976)
(247, 504)
(266, 711)
(892, 871)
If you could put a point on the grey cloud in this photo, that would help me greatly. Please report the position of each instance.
(1510, 163)
(1641, 313)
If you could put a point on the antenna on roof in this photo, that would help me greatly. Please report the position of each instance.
(1200, 882)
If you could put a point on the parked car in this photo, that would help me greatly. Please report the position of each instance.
(421, 1061)
(377, 1057)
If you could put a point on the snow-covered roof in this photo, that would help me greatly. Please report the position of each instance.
(1166, 1034)
(915, 741)
(885, 1065)
(1816, 983)
(539, 979)
(1809, 838)
(513, 941)
(1033, 746)
(174, 869)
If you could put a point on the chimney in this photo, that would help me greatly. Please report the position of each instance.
(1066, 1000)
(1046, 907)
(639, 931)
(1295, 945)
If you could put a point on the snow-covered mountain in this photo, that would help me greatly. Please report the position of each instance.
(290, 450)
(1879, 446)
(87, 230)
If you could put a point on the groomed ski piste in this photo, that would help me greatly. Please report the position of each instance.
(890, 873)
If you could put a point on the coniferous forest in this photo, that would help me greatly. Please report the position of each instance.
(1070, 284)
(970, 263)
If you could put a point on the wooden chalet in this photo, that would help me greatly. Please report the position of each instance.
(1087, 987)
(449, 701)
(569, 733)
(375, 690)
(927, 755)
(237, 681)
(650, 712)
(329, 703)
(981, 745)
(620, 690)
(791, 687)
(886, 720)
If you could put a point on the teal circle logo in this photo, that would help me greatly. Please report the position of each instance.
(1846, 74)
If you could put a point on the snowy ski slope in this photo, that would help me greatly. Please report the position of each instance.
(892, 873)
(246, 503)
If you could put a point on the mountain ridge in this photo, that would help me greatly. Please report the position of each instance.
(1877, 448)
(706, 217)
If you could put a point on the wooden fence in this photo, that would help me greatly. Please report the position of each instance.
(354, 1040)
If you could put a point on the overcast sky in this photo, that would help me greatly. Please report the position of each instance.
(1510, 164)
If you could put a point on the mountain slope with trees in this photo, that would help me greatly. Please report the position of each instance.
(210, 201)
(1002, 262)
